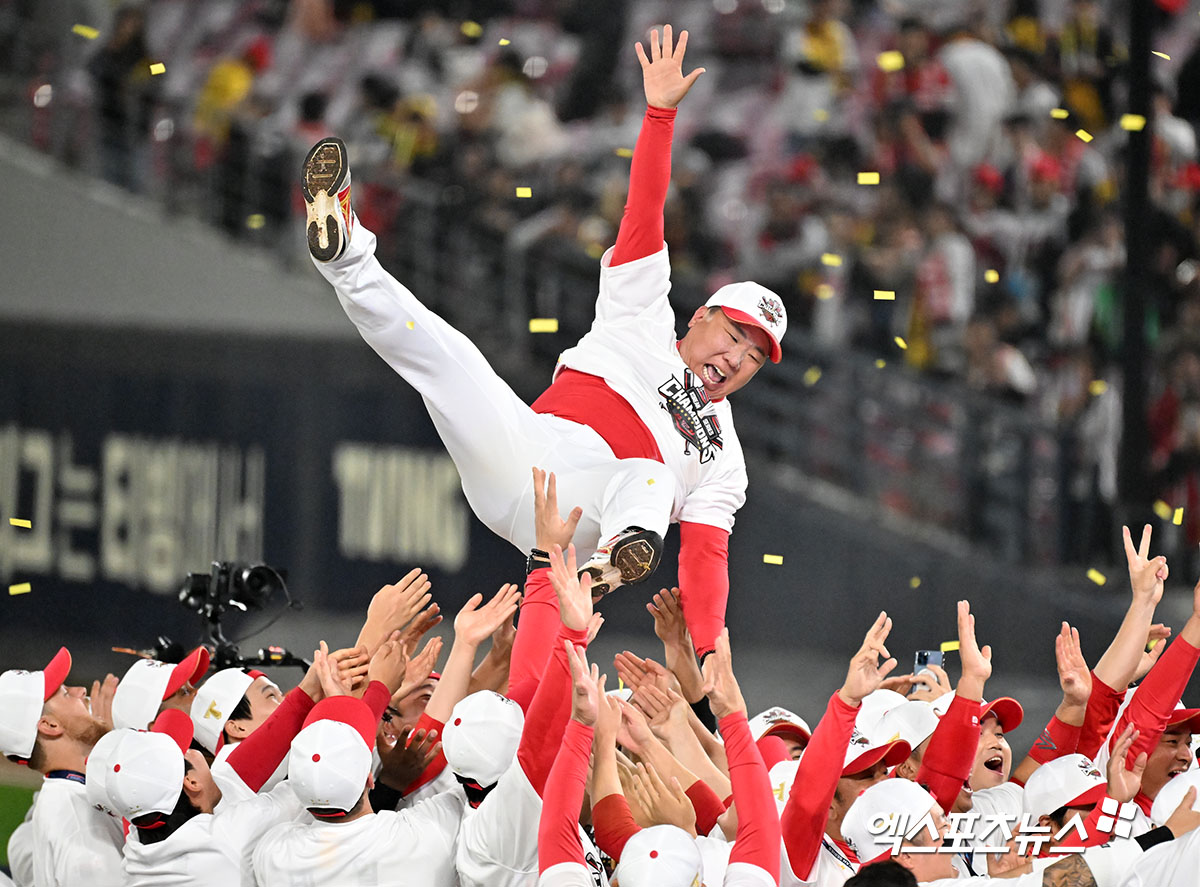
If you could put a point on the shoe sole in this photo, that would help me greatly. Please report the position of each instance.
(321, 179)
(633, 560)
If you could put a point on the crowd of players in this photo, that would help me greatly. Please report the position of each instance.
(379, 769)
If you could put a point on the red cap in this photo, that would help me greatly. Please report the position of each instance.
(56, 671)
(191, 670)
(347, 710)
(892, 754)
(1007, 711)
(177, 725)
(1185, 718)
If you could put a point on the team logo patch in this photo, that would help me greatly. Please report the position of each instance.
(694, 416)
(771, 309)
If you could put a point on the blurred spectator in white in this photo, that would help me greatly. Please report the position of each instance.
(944, 296)
(984, 94)
(1085, 270)
(995, 366)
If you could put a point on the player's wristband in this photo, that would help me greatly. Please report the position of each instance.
(537, 560)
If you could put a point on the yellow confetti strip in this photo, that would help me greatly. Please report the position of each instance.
(868, 178)
(471, 29)
(410, 324)
(1177, 519)
(901, 344)
(1083, 135)
(1096, 387)
(85, 31)
(1161, 55)
(885, 295)
(991, 275)
(158, 68)
(811, 376)
(914, 582)
(1060, 113)
(1133, 122)
(19, 522)
(880, 363)
(1162, 509)
(949, 646)
(256, 221)
(504, 41)
(890, 61)
(624, 152)
(776, 559)
(525, 192)
(824, 291)
(1096, 576)
(831, 259)
(820, 115)
(22, 588)
(650, 482)
(543, 324)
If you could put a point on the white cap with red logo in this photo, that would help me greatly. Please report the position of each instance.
(22, 695)
(660, 856)
(1069, 781)
(148, 682)
(97, 764)
(145, 770)
(330, 759)
(884, 811)
(778, 721)
(480, 740)
(754, 304)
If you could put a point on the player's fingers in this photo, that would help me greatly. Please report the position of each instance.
(1144, 545)
(681, 45)
(539, 488)
(655, 46)
(641, 54)
(666, 47)
(1130, 554)
(573, 520)
(692, 78)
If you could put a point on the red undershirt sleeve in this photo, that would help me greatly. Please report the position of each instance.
(1057, 740)
(558, 827)
(641, 231)
(614, 824)
(703, 582)
(548, 712)
(537, 627)
(947, 762)
(257, 756)
(1151, 706)
(707, 805)
(1102, 707)
(758, 831)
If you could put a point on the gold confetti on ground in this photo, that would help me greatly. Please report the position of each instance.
(1161, 55)
(831, 259)
(543, 324)
(820, 115)
(525, 192)
(1162, 509)
(1096, 576)
(885, 295)
(1083, 135)
(914, 582)
(1133, 122)
(890, 61)
(471, 29)
(624, 152)
(85, 31)
(650, 482)
(256, 221)
(949, 646)
(410, 325)
(991, 275)
(158, 68)
(1177, 518)
(880, 363)
(504, 41)
(21, 522)
(901, 344)
(776, 559)
(1096, 387)
(1060, 113)
(811, 376)
(20, 588)
(824, 291)
(868, 178)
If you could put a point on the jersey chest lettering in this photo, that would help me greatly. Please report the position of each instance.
(693, 415)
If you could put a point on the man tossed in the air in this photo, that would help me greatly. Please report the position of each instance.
(636, 425)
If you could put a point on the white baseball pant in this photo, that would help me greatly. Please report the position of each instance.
(492, 435)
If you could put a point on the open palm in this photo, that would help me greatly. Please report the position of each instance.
(662, 72)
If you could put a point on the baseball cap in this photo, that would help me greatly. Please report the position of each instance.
(778, 721)
(898, 800)
(97, 768)
(754, 304)
(1186, 718)
(1069, 781)
(145, 770)
(660, 856)
(22, 695)
(875, 705)
(913, 720)
(782, 775)
(866, 749)
(215, 701)
(1007, 711)
(148, 682)
(1170, 796)
(330, 759)
(480, 740)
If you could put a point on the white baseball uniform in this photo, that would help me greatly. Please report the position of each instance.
(832, 868)
(1173, 864)
(74, 843)
(494, 437)
(20, 849)
(412, 848)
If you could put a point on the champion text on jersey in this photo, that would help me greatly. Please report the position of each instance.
(692, 414)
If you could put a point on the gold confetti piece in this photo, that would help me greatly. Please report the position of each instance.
(1162, 509)
(820, 115)
(991, 275)
(880, 363)
(21, 588)
(890, 61)
(949, 646)
(620, 684)
(410, 324)
(1150, 645)
(19, 522)
(868, 178)
(471, 29)
(624, 152)
(650, 482)
(256, 221)
(1096, 387)
(85, 31)
(901, 344)
(776, 559)
(543, 324)
(885, 295)
(914, 582)
(595, 250)
(1177, 519)
(504, 41)
(1060, 113)
(525, 191)
(1096, 576)
(1133, 122)
(831, 259)
(1083, 135)
(158, 68)
(1161, 55)
(811, 376)
(824, 291)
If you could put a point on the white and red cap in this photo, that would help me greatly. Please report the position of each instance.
(778, 721)
(868, 826)
(97, 768)
(782, 775)
(1069, 781)
(1170, 796)
(913, 720)
(480, 740)
(660, 856)
(874, 706)
(866, 749)
(22, 695)
(215, 699)
(1007, 711)
(145, 770)
(1184, 718)
(752, 303)
(330, 759)
(148, 682)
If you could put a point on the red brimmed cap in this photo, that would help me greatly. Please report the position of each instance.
(1007, 711)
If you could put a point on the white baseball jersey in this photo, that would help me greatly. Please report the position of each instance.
(20, 849)
(1173, 864)
(211, 849)
(411, 848)
(1005, 801)
(443, 782)
(632, 346)
(497, 845)
(74, 843)
(832, 867)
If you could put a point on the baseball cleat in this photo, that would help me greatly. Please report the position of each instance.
(325, 181)
(626, 559)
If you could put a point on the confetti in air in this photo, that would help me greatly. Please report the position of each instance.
(525, 192)
(914, 582)
(158, 68)
(868, 178)
(20, 588)
(624, 152)
(901, 344)
(1060, 113)
(85, 31)
(811, 376)
(256, 221)
(885, 295)
(991, 275)
(504, 41)
(1096, 576)
(1161, 55)
(776, 559)
(880, 363)
(543, 325)
(1177, 518)
(410, 324)
(1162, 509)
(471, 29)
(820, 115)
(949, 646)
(1097, 387)
(831, 259)
(1133, 122)
(824, 291)
(890, 61)
(21, 522)
(1083, 135)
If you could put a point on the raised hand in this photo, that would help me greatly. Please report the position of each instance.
(549, 529)
(662, 73)
(669, 625)
(327, 674)
(389, 665)
(588, 686)
(866, 673)
(976, 663)
(666, 804)
(1185, 818)
(351, 663)
(393, 606)
(594, 626)
(666, 711)
(420, 667)
(720, 686)
(405, 760)
(608, 720)
(933, 684)
(1157, 637)
(101, 698)
(1146, 574)
(1124, 782)
(474, 623)
(635, 730)
(421, 624)
(1074, 676)
(574, 593)
(635, 672)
